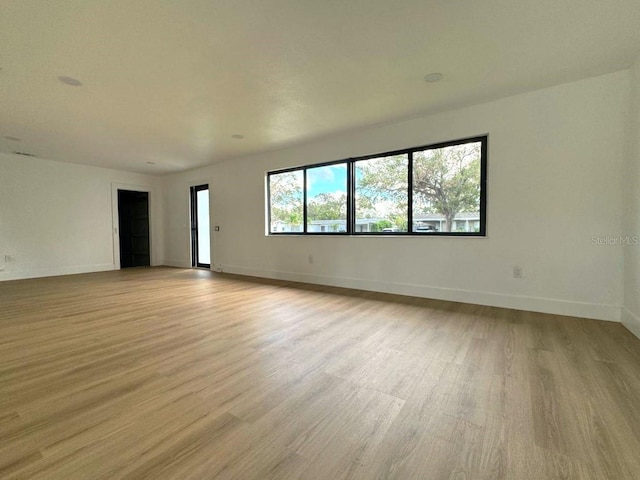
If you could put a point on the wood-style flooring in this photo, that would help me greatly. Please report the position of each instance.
(164, 373)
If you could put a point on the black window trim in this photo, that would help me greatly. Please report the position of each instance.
(350, 164)
(347, 164)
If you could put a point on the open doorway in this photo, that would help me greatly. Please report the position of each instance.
(133, 223)
(200, 236)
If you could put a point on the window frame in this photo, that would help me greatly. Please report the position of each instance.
(305, 231)
(351, 204)
(409, 193)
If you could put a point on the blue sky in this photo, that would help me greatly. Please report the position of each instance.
(327, 179)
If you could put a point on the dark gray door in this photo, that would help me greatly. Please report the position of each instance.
(133, 214)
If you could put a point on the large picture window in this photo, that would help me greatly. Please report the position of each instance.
(432, 190)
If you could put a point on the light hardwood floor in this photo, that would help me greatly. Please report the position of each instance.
(186, 374)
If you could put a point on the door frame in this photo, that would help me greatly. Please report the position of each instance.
(193, 221)
(115, 223)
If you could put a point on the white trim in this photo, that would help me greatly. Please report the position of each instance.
(115, 219)
(177, 263)
(518, 302)
(631, 321)
(55, 271)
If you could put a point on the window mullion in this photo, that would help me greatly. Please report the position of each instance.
(351, 199)
(410, 192)
(269, 203)
(304, 200)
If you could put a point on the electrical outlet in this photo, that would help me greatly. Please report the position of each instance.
(518, 272)
(217, 268)
(310, 258)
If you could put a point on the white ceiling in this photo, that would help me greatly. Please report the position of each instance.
(170, 82)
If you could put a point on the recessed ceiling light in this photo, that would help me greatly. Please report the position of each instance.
(238, 136)
(433, 77)
(74, 82)
(151, 163)
(15, 139)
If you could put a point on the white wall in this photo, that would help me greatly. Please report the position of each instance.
(631, 214)
(177, 226)
(56, 218)
(556, 159)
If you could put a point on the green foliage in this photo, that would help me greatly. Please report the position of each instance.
(381, 179)
(400, 222)
(327, 206)
(381, 191)
(286, 197)
(382, 224)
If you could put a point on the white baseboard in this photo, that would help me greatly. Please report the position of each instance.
(517, 302)
(631, 321)
(177, 263)
(54, 271)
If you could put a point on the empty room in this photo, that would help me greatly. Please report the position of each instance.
(320, 240)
